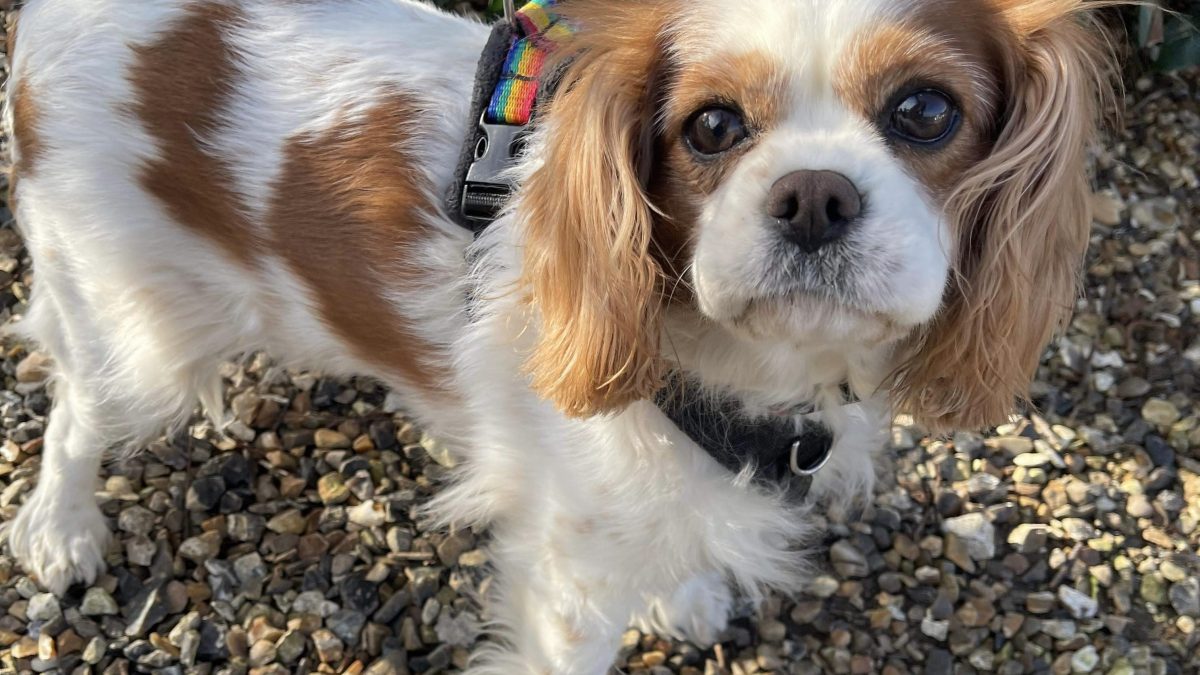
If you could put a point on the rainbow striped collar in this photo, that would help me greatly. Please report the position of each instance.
(538, 31)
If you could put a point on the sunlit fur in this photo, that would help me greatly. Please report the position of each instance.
(201, 178)
(1024, 214)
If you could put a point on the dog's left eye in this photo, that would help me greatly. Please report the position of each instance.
(715, 130)
(924, 117)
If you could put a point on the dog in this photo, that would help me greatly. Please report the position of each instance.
(753, 220)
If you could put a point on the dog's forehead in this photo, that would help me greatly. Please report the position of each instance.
(807, 34)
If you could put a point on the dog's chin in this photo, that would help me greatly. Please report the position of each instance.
(807, 321)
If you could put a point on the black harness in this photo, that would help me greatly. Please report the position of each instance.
(781, 451)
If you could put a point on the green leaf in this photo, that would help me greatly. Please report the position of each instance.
(1181, 46)
(1149, 28)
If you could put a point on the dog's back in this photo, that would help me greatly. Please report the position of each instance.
(199, 179)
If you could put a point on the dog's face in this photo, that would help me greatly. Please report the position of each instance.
(897, 178)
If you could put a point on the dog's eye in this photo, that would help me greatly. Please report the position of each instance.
(713, 131)
(924, 117)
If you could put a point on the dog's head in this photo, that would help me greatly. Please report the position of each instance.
(897, 179)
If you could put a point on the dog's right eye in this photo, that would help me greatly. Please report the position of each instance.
(715, 130)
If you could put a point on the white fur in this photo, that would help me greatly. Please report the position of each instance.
(595, 521)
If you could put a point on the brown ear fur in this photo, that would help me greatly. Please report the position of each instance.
(1023, 219)
(588, 267)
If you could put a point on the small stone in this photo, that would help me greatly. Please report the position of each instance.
(24, 648)
(461, 630)
(98, 602)
(1079, 529)
(938, 630)
(35, 367)
(1028, 537)
(1080, 605)
(290, 647)
(1107, 208)
(332, 489)
(453, 546)
(329, 439)
(262, 653)
(359, 594)
(43, 607)
(288, 522)
(367, 514)
(204, 494)
(1160, 412)
(1139, 506)
(976, 532)
(201, 547)
(94, 651)
(1185, 597)
(956, 551)
(145, 611)
(1040, 602)
(137, 520)
(245, 527)
(939, 662)
(849, 562)
(1085, 660)
(1059, 629)
(1172, 571)
(822, 586)
(329, 647)
(347, 624)
(1154, 589)
(1133, 387)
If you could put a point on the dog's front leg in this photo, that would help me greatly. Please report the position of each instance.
(59, 534)
(697, 611)
(554, 614)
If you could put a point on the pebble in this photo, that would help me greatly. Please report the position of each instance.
(849, 562)
(97, 602)
(43, 607)
(1028, 537)
(1160, 412)
(1185, 597)
(974, 530)
(1080, 605)
(1085, 660)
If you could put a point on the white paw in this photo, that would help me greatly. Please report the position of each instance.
(60, 539)
(697, 612)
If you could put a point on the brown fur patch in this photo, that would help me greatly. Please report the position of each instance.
(590, 268)
(1022, 218)
(948, 45)
(347, 219)
(182, 83)
(24, 121)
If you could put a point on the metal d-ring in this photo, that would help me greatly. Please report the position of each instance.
(813, 468)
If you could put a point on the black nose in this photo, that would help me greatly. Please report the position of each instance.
(814, 207)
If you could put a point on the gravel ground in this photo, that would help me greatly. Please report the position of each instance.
(1064, 542)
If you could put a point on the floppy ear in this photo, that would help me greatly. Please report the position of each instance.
(588, 268)
(1022, 216)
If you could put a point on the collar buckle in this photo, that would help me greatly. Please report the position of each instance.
(488, 186)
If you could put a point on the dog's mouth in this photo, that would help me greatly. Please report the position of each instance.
(812, 319)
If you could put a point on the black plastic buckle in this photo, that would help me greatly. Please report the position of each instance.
(488, 184)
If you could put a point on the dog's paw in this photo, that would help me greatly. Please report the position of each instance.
(60, 541)
(697, 612)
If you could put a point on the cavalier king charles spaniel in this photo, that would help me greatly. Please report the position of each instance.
(729, 218)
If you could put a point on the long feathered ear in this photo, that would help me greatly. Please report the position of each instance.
(589, 272)
(1022, 216)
